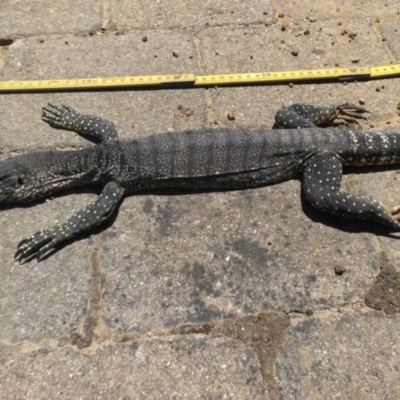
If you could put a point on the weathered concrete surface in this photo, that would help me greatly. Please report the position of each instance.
(141, 14)
(329, 356)
(248, 294)
(174, 367)
(41, 17)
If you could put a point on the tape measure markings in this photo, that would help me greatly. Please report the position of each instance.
(202, 80)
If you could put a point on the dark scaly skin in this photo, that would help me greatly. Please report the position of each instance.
(207, 158)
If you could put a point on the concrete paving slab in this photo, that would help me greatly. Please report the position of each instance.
(179, 367)
(101, 56)
(239, 252)
(21, 19)
(46, 300)
(125, 15)
(130, 110)
(336, 356)
(305, 45)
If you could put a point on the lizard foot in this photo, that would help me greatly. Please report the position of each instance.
(59, 116)
(35, 246)
(346, 112)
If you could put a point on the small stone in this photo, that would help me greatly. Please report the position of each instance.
(291, 84)
(378, 89)
(231, 116)
(144, 38)
(8, 42)
(355, 60)
(265, 12)
(295, 51)
(398, 106)
(175, 54)
(339, 270)
(281, 15)
(362, 101)
(309, 313)
(313, 19)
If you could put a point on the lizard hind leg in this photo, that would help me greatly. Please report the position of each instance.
(322, 176)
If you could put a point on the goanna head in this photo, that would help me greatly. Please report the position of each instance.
(18, 181)
(34, 175)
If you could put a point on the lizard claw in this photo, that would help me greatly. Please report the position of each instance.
(395, 212)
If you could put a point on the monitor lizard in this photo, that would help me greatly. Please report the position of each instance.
(202, 159)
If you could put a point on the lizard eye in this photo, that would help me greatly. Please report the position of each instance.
(20, 181)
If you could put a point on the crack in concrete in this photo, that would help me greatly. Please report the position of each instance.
(341, 308)
(265, 333)
(94, 309)
(376, 29)
(106, 14)
(207, 94)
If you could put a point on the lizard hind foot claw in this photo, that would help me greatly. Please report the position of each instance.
(395, 211)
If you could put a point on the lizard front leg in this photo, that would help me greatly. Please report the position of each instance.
(86, 219)
(64, 117)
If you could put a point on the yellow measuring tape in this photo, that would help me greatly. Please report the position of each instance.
(201, 80)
